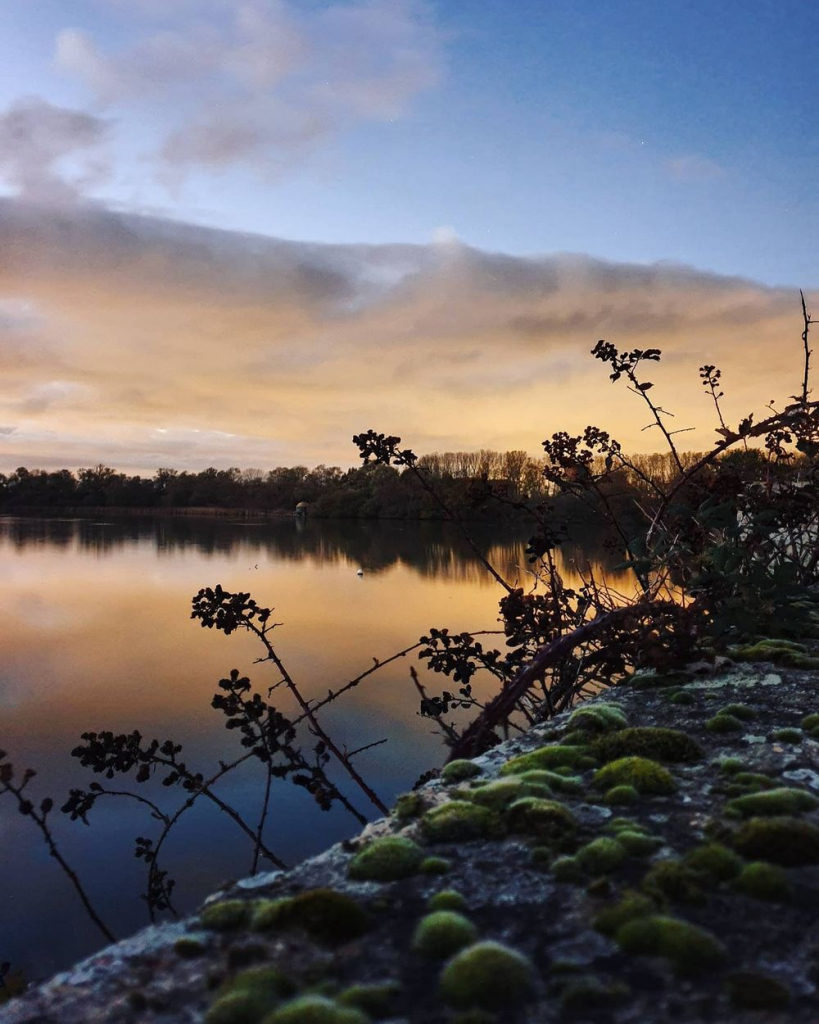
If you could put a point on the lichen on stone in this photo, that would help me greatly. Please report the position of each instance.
(442, 933)
(386, 860)
(645, 775)
(487, 974)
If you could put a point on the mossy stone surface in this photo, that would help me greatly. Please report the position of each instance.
(188, 949)
(690, 949)
(487, 974)
(551, 757)
(328, 917)
(460, 821)
(409, 806)
(386, 860)
(225, 915)
(786, 841)
(645, 775)
(654, 742)
(442, 933)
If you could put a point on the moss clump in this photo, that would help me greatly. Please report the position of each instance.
(499, 794)
(269, 914)
(764, 882)
(730, 765)
(810, 723)
(460, 771)
(546, 819)
(689, 949)
(225, 915)
(375, 999)
(780, 652)
(682, 698)
(722, 723)
(750, 991)
(715, 862)
(434, 866)
(645, 775)
(740, 711)
(620, 795)
(487, 974)
(188, 949)
(460, 821)
(598, 719)
(448, 899)
(386, 860)
(552, 757)
(541, 858)
(327, 916)
(568, 869)
(239, 1008)
(787, 735)
(632, 905)
(659, 744)
(442, 933)
(673, 880)
(637, 844)
(314, 1009)
(601, 855)
(786, 841)
(772, 802)
(627, 824)
(752, 782)
(409, 806)
(552, 780)
(585, 995)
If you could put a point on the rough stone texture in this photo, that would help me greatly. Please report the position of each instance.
(513, 897)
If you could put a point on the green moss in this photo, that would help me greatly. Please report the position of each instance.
(764, 881)
(315, 1009)
(375, 999)
(188, 949)
(637, 844)
(386, 860)
(786, 841)
(598, 718)
(620, 795)
(714, 861)
(502, 792)
(546, 819)
(327, 916)
(568, 869)
(810, 722)
(673, 880)
(448, 899)
(750, 991)
(460, 821)
(629, 824)
(487, 974)
(460, 771)
(601, 855)
(632, 905)
(268, 980)
(434, 866)
(645, 775)
(659, 744)
(689, 949)
(730, 765)
(225, 915)
(780, 652)
(787, 735)
(553, 780)
(552, 757)
(752, 782)
(773, 802)
(586, 995)
(541, 858)
(740, 711)
(409, 806)
(682, 698)
(724, 723)
(442, 933)
(239, 1008)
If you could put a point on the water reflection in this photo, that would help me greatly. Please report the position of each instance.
(97, 634)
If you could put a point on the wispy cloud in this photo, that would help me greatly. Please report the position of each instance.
(160, 342)
(693, 168)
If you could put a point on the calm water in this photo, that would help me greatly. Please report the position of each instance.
(96, 634)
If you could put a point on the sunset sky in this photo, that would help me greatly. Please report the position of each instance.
(237, 233)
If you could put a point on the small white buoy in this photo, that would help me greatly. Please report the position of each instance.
(360, 572)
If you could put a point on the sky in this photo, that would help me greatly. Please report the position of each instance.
(235, 233)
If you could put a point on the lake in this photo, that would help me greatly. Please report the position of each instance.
(96, 634)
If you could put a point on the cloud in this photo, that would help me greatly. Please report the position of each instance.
(50, 153)
(6, 431)
(152, 342)
(693, 169)
(261, 83)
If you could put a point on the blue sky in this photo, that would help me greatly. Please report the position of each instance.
(635, 130)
